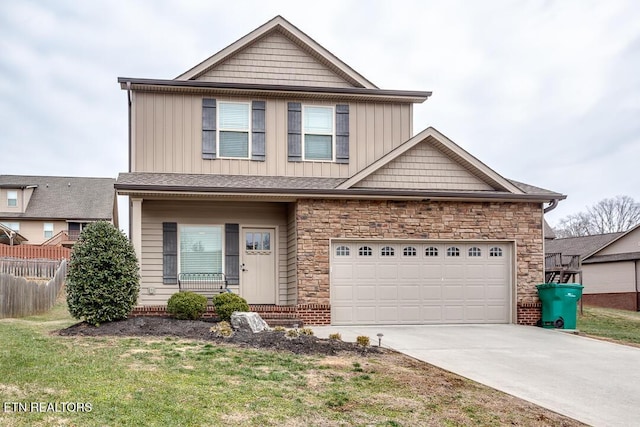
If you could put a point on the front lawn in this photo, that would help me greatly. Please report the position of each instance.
(160, 381)
(618, 325)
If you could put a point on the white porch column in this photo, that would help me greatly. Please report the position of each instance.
(136, 227)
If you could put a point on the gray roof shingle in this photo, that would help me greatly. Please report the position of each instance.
(59, 197)
(583, 246)
(211, 182)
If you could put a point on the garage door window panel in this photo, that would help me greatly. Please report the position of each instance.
(365, 251)
(409, 251)
(475, 252)
(387, 251)
(431, 251)
(495, 252)
(343, 251)
(453, 251)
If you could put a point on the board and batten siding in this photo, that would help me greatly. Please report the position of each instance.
(274, 60)
(424, 166)
(167, 137)
(250, 214)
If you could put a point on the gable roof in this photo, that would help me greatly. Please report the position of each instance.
(588, 246)
(291, 32)
(548, 231)
(583, 245)
(64, 198)
(433, 137)
(290, 188)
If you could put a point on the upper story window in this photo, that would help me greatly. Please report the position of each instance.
(48, 230)
(12, 198)
(318, 133)
(15, 226)
(234, 119)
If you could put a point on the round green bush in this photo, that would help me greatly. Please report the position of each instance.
(102, 281)
(227, 303)
(187, 305)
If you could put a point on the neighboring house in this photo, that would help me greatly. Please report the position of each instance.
(52, 210)
(280, 166)
(610, 267)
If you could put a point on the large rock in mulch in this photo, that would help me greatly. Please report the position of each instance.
(248, 321)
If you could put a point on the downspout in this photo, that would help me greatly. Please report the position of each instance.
(129, 116)
(552, 205)
(637, 289)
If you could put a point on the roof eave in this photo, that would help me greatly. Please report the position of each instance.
(135, 189)
(127, 83)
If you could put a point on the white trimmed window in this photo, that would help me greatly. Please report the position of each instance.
(12, 198)
(201, 248)
(15, 226)
(318, 133)
(475, 252)
(495, 252)
(453, 251)
(48, 230)
(233, 129)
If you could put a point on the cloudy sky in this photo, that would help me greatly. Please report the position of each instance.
(544, 92)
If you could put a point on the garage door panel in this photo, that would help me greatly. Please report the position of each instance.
(385, 271)
(432, 292)
(432, 313)
(413, 283)
(408, 293)
(342, 294)
(387, 293)
(410, 314)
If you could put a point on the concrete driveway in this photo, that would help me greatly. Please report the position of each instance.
(593, 381)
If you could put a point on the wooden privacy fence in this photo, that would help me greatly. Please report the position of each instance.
(40, 268)
(20, 297)
(33, 251)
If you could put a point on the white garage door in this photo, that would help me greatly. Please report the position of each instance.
(420, 283)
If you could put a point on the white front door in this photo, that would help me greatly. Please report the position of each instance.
(258, 266)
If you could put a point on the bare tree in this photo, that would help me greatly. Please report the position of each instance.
(607, 216)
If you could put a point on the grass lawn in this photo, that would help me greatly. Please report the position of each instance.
(172, 382)
(617, 325)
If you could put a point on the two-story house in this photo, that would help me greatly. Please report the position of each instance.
(277, 164)
(51, 210)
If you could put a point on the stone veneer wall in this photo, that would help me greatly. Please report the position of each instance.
(319, 220)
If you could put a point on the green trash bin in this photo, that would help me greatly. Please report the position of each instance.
(559, 304)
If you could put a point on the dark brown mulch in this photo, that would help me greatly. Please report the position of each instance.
(201, 330)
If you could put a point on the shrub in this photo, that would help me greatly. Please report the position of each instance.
(306, 331)
(335, 337)
(292, 333)
(363, 340)
(102, 281)
(187, 305)
(226, 303)
(279, 328)
(222, 329)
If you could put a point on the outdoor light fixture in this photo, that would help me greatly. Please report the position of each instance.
(380, 335)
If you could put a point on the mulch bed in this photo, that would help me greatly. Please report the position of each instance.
(201, 330)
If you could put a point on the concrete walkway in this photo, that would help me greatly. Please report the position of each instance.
(592, 381)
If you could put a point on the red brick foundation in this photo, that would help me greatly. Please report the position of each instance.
(529, 314)
(621, 301)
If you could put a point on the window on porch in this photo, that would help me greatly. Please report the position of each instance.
(201, 249)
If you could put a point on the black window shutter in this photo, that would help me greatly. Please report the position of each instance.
(294, 142)
(342, 133)
(232, 253)
(257, 131)
(208, 128)
(169, 253)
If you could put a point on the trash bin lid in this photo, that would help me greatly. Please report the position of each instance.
(559, 285)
